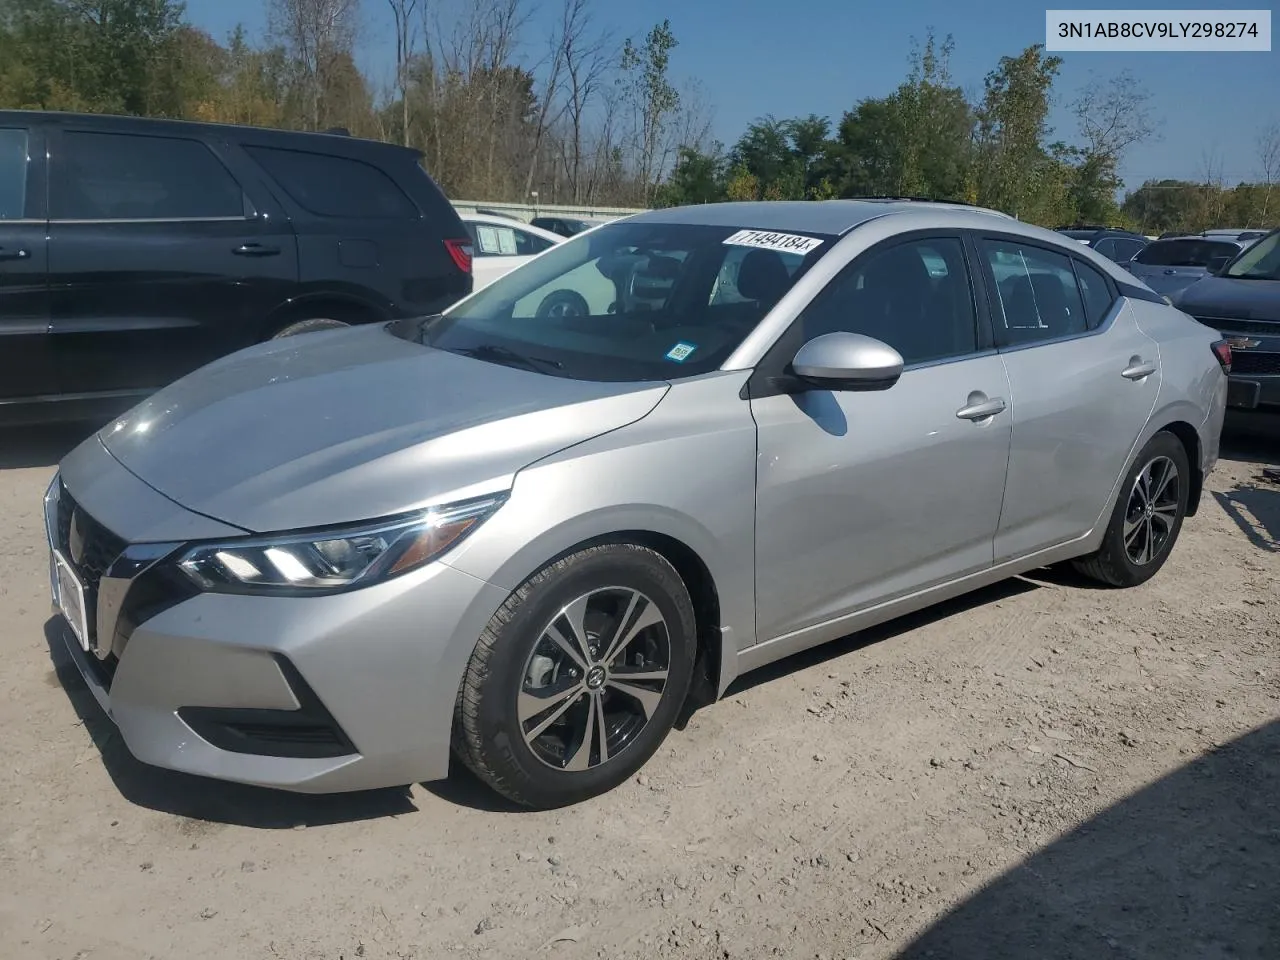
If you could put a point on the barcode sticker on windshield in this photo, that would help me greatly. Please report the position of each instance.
(768, 240)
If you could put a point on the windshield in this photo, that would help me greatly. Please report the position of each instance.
(1185, 253)
(1259, 262)
(630, 301)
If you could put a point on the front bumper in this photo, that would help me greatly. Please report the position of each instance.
(313, 694)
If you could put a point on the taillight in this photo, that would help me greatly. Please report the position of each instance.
(460, 250)
(1222, 350)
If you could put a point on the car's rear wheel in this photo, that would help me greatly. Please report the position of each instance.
(579, 676)
(308, 326)
(1147, 517)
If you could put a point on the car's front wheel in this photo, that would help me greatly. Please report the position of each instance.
(1147, 517)
(579, 676)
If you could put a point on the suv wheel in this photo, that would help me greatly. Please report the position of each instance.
(578, 678)
(308, 326)
(1147, 517)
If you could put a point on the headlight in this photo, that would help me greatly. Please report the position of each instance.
(333, 560)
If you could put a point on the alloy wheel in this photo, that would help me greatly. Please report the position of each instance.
(1152, 511)
(594, 678)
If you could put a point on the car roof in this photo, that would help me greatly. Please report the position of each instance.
(500, 221)
(812, 216)
(118, 123)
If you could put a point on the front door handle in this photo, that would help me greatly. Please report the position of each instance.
(255, 250)
(980, 409)
(1138, 369)
(14, 254)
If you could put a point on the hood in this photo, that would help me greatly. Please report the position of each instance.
(1232, 299)
(351, 425)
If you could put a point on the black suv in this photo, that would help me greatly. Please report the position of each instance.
(133, 251)
(1113, 243)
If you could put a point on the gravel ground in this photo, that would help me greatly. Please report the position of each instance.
(1040, 770)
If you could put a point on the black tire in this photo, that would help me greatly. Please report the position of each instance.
(563, 303)
(308, 326)
(1114, 564)
(489, 736)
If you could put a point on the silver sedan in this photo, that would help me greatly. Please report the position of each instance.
(529, 539)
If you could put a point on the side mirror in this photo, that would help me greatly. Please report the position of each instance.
(847, 361)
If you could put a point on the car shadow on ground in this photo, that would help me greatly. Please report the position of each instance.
(40, 446)
(1188, 867)
(1255, 504)
(1251, 437)
(202, 799)
(817, 656)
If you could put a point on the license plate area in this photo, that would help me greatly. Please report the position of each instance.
(69, 599)
(1243, 393)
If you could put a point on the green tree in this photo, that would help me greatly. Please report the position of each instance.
(914, 142)
(696, 178)
(653, 98)
(1013, 170)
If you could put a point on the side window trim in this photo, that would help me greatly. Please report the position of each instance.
(769, 377)
(57, 173)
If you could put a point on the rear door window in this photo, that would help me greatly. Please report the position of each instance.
(112, 176)
(13, 173)
(330, 186)
(1036, 295)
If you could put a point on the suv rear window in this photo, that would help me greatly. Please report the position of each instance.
(332, 186)
(1184, 253)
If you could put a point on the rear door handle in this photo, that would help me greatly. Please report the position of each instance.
(14, 254)
(255, 250)
(1138, 369)
(981, 410)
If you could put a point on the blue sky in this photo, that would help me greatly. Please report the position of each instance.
(756, 57)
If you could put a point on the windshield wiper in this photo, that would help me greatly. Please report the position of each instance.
(504, 355)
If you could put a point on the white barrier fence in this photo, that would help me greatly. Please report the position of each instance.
(527, 211)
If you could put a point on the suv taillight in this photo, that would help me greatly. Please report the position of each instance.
(1222, 350)
(460, 250)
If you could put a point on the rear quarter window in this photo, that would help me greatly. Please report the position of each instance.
(332, 186)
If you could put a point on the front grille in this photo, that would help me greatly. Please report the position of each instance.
(89, 546)
(1259, 363)
(1231, 325)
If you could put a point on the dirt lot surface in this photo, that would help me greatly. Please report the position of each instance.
(1042, 770)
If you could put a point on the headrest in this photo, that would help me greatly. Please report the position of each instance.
(762, 276)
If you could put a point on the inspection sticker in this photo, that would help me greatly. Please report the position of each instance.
(680, 352)
(768, 240)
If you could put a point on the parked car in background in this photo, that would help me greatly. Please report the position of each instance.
(499, 245)
(1169, 265)
(133, 251)
(564, 226)
(532, 540)
(1116, 245)
(1242, 301)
